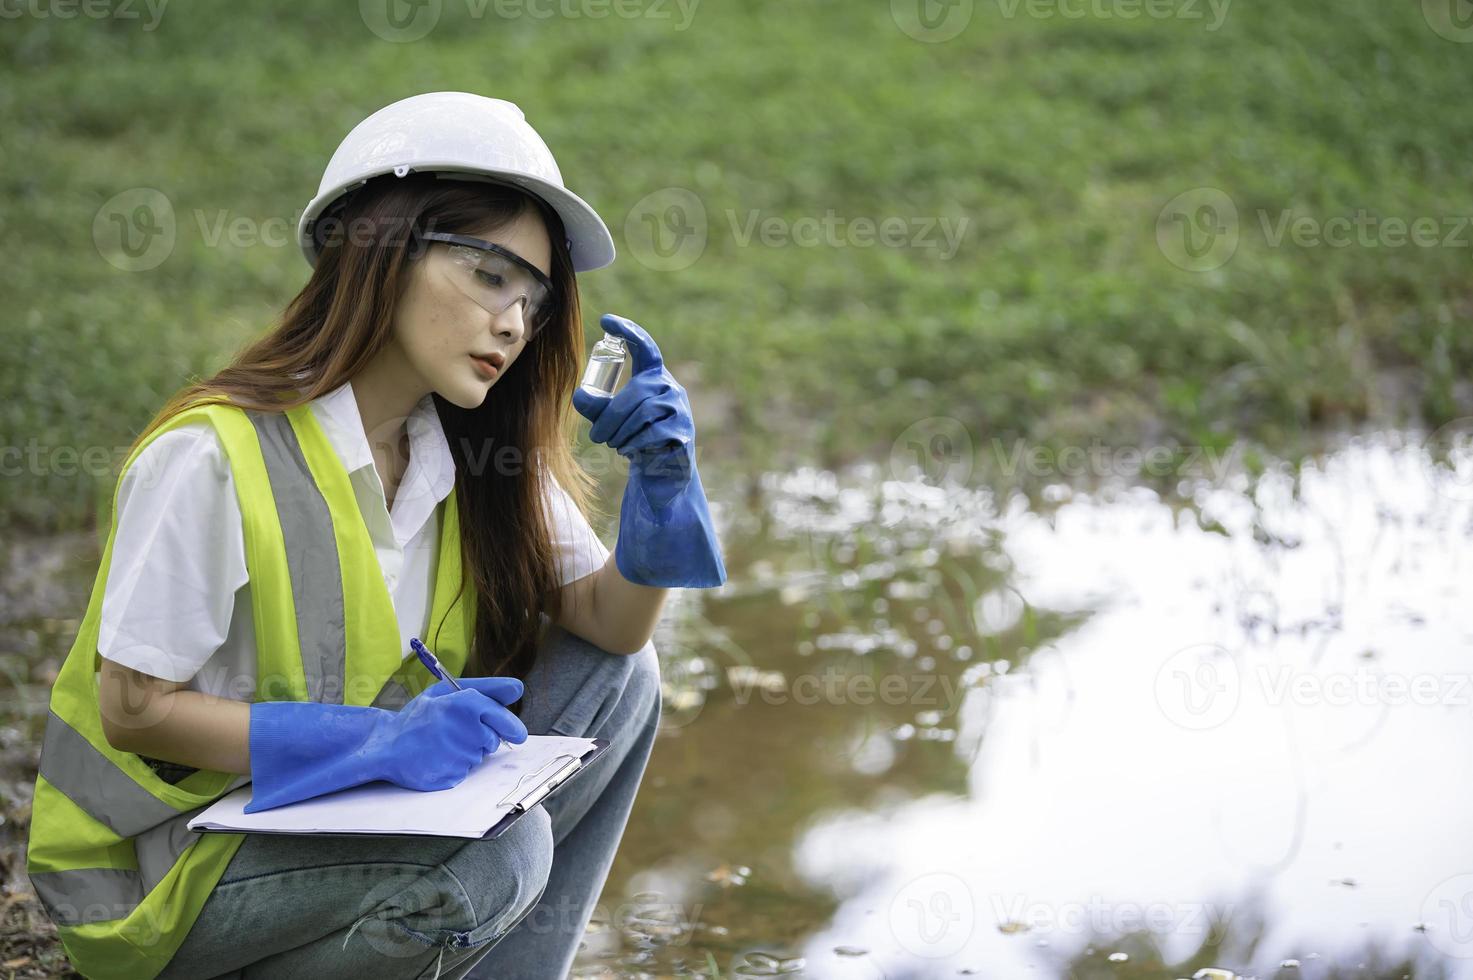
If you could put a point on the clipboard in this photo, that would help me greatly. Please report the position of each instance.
(538, 785)
(533, 788)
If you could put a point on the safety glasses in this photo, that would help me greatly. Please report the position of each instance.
(495, 277)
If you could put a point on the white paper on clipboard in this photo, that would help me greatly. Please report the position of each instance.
(512, 775)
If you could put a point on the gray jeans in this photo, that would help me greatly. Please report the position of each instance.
(509, 908)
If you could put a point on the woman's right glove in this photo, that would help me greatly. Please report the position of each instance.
(302, 749)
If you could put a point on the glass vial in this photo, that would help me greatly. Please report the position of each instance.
(604, 366)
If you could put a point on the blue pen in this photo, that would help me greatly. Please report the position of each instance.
(428, 659)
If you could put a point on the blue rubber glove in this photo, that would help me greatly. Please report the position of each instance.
(302, 749)
(665, 533)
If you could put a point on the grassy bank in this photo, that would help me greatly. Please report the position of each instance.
(1048, 144)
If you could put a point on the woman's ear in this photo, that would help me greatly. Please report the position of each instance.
(417, 258)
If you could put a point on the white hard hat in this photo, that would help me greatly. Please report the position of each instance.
(458, 133)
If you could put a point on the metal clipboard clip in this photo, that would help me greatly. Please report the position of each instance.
(562, 766)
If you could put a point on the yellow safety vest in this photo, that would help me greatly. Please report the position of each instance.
(109, 854)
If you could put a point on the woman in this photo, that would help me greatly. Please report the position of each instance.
(389, 461)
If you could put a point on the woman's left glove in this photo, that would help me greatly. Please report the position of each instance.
(665, 533)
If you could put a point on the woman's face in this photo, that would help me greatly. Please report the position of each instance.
(445, 334)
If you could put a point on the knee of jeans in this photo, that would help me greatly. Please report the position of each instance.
(504, 877)
(472, 897)
(642, 698)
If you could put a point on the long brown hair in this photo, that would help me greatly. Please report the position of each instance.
(344, 315)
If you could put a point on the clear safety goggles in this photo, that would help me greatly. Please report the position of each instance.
(495, 278)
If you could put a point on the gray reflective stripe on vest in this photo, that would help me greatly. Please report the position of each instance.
(159, 847)
(83, 895)
(74, 898)
(311, 556)
(89, 779)
(392, 696)
(108, 795)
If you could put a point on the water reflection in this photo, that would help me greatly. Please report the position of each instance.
(1105, 734)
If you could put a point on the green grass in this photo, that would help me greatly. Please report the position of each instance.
(1060, 140)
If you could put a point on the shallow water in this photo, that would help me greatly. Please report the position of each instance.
(928, 732)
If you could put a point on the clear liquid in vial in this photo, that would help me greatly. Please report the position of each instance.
(604, 366)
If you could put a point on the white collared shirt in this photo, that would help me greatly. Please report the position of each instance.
(178, 603)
